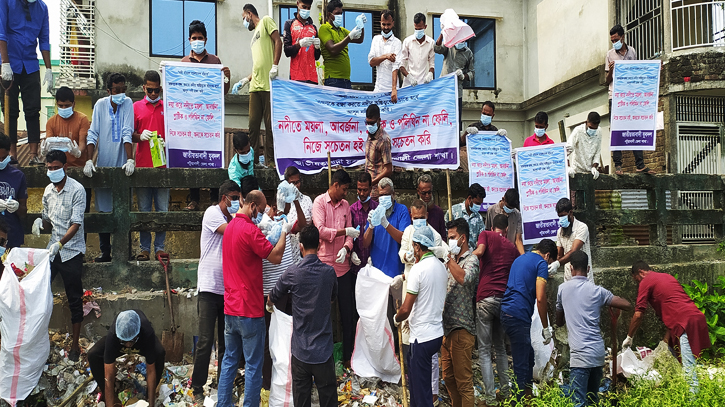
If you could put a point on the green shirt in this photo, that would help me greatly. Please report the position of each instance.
(262, 54)
(337, 66)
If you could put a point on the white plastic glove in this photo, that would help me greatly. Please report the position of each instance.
(595, 173)
(7, 72)
(472, 130)
(355, 259)
(395, 321)
(355, 33)
(48, 80)
(316, 41)
(372, 219)
(409, 257)
(129, 167)
(43, 149)
(352, 232)
(54, 249)
(554, 267)
(89, 169)
(384, 221)
(569, 149)
(428, 77)
(459, 74)
(412, 80)
(12, 205)
(306, 42)
(502, 132)
(627, 342)
(360, 21)
(341, 256)
(571, 172)
(547, 333)
(239, 85)
(287, 227)
(37, 227)
(75, 151)
(273, 72)
(146, 135)
(440, 252)
(3, 205)
(397, 282)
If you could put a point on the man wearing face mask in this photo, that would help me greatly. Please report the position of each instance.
(70, 124)
(243, 248)
(13, 195)
(584, 147)
(384, 52)
(458, 60)
(417, 58)
(111, 133)
(378, 157)
(539, 138)
(572, 235)
(424, 304)
(210, 276)
(496, 255)
(459, 320)
(359, 212)
(242, 164)
(64, 201)
(488, 111)
(470, 210)
(266, 51)
(302, 44)
(335, 38)
(509, 207)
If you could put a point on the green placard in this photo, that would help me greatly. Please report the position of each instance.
(158, 153)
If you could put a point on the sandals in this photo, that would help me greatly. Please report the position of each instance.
(618, 170)
(646, 170)
(144, 256)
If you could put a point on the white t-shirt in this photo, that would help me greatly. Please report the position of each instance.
(210, 275)
(384, 71)
(429, 280)
(579, 231)
(272, 272)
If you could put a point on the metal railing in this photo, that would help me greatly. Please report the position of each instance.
(642, 22)
(77, 44)
(697, 24)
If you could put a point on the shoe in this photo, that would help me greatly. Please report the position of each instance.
(192, 206)
(198, 399)
(645, 170)
(618, 170)
(103, 258)
(36, 161)
(74, 355)
(144, 256)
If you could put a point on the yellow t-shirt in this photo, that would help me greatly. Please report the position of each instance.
(262, 54)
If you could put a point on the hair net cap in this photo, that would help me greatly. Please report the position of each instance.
(128, 325)
(424, 236)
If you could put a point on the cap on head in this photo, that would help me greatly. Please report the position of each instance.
(424, 236)
(128, 325)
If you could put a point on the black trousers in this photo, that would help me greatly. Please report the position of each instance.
(97, 363)
(105, 242)
(27, 86)
(323, 375)
(210, 309)
(71, 272)
(348, 312)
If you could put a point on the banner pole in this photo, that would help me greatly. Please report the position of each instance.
(329, 170)
(450, 208)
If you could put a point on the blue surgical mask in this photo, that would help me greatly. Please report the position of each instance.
(246, 23)
(419, 223)
(56, 176)
(65, 112)
(591, 132)
(2, 250)
(258, 219)
(486, 119)
(118, 99)
(304, 14)
(4, 163)
(419, 34)
(245, 158)
(233, 206)
(617, 45)
(152, 100)
(461, 45)
(386, 201)
(198, 46)
(372, 128)
(564, 221)
(388, 34)
(475, 207)
(507, 209)
(338, 20)
(366, 199)
(539, 132)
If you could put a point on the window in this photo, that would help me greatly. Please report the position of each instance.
(483, 46)
(170, 26)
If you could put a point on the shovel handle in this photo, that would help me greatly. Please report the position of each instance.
(615, 316)
(402, 359)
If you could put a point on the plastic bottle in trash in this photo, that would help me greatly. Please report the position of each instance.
(261, 160)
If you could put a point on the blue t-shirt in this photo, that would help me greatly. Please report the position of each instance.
(384, 250)
(12, 184)
(520, 296)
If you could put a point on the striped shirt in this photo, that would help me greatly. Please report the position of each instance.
(62, 209)
(210, 275)
(272, 272)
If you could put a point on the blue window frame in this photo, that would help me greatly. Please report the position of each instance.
(483, 46)
(170, 26)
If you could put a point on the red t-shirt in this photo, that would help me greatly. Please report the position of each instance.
(495, 264)
(302, 66)
(532, 141)
(243, 248)
(147, 116)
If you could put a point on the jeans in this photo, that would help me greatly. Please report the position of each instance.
(160, 197)
(689, 363)
(259, 108)
(585, 383)
(27, 86)
(71, 271)
(348, 312)
(210, 310)
(491, 337)
(242, 335)
(338, 83)
(421, 369)
(457, 369)
(322, 375)
(522, 353)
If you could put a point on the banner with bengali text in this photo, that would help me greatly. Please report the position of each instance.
(542, 180)
(194, 115)
(634, 105)
(490, 164)
(309, 120)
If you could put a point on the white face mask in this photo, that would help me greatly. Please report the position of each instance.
(454, 247)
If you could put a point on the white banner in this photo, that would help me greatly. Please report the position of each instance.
(490, 164)
(634, 105)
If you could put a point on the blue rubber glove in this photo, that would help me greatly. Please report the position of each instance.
(360, 21)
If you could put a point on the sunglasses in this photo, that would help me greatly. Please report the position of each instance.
(153, 90)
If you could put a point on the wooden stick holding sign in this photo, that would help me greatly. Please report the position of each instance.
(329, 170)
(450, 208)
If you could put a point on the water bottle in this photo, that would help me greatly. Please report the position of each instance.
(261, 161)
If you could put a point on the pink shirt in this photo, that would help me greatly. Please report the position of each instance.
(329, 219)
(532, 141)
(147, 116)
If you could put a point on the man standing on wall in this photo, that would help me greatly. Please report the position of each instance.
(385, 53)
(300, 34)
(417, 58)
(335, 38)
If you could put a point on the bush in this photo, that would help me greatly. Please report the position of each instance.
(712, 304)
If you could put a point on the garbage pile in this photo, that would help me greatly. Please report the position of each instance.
(355, 391)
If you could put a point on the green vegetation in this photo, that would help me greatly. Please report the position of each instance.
(712, 304)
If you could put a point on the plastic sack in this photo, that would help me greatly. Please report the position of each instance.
(543, 370)
(453, 29)
(287, 191)
(280, 349)
(374, 352)
(631, 366)
(25, 308)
